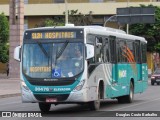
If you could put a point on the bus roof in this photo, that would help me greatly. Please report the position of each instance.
(106, 31)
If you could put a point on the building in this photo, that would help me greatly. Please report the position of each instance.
(37, 10)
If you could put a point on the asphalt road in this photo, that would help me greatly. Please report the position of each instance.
(147, 101)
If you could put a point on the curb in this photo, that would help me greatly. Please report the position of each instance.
(10, 95)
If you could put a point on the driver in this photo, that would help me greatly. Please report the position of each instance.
(78, 53)
(64, 63)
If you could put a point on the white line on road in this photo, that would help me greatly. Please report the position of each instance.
(9, 103)
(134, 105)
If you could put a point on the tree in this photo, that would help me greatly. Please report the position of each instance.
(4, 35)
(78, 18)
(75, 17)
(149, 31)
(56, 21)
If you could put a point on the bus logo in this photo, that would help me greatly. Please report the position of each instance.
(56, 73)
(122, 73)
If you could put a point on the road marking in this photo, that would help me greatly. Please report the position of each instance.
(134, 105)
(8, 103)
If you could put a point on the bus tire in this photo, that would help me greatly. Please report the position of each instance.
(127, 98)
(44, 107)
(152, 83)
(95, 105)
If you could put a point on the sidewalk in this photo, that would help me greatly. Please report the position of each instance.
(9, 87)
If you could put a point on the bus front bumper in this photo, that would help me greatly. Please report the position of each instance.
(84, 95)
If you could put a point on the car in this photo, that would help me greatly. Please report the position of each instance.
(155, 78)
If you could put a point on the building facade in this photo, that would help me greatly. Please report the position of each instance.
(36, 11)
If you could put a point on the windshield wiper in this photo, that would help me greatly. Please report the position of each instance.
(62, 49)
(43, 50)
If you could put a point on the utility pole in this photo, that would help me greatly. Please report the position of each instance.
(16, 18)
(66, 12)
(127, 29)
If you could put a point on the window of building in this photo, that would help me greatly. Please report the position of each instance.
(59, 1)
(25, 1)
(96, 1)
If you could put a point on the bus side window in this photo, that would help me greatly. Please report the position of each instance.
(137, 51)
(106, 50)
(122, 51)
(91, 40)
(130, 52)
(113, 51)
(144, 51)
(98, 51)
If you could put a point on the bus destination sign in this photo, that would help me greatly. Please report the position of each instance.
(52, 35)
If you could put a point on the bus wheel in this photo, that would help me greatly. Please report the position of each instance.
(95, 105)
(127, 98)
(152, 83)
(44, 107)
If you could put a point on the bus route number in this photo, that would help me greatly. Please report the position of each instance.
(36, 35)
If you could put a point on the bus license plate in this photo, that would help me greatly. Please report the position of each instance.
(48, 100)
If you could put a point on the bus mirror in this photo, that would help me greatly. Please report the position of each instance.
(17, 53)
(90, 51)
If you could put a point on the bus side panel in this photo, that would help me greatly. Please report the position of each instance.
(145, 76)
(119, 80)
(142, 78)
(138, 87)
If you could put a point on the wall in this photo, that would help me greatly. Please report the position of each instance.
(3, 67)
(150, 62)
(33, 20)
(4, 1)
(81, 1)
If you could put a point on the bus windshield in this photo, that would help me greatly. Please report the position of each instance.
(52, 60)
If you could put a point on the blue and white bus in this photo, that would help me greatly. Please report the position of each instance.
(82, 65)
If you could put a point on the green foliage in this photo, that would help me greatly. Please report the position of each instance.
(4, 57)
(51, 22)
(74, 17)
(157, 47)
(4, 35)
(149, 31)
(78, 18)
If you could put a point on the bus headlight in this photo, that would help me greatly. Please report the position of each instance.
(23, 84)
(79, 86)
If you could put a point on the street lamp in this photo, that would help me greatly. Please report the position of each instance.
(109, 19)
